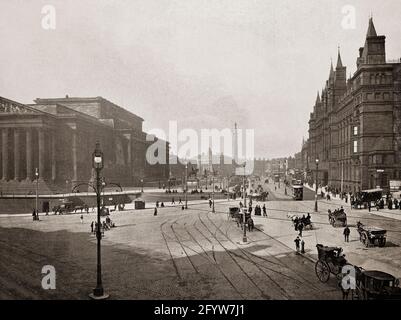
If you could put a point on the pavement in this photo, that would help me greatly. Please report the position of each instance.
(186, 254)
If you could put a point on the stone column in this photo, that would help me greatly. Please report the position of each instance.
(28, 154)
(129, 157)
(53, 151)
(4, 151)
(17, 158)
(74, 157)
(41, 144)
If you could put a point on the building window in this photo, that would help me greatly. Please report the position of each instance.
(355, 146)
(355, 131)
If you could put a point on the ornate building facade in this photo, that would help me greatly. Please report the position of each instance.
(57, 137)
(355, 126)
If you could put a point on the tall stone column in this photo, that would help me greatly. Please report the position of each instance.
(17, 155)
(29, 154)
(53, 151)
(74, 157)
(41, 145)
(4, 151)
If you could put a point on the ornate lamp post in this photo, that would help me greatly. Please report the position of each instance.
(186, 186)
(317, 172)
(279, 177)
(37, 192)
(213, 173)
(244, 238)
(97, 164)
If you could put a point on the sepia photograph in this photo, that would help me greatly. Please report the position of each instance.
(209, 151)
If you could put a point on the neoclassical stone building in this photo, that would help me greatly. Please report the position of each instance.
(355, 126)
(58, 136)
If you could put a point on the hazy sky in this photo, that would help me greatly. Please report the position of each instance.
(206, 64)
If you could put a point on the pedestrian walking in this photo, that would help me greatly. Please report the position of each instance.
(33, 215)
(155, 212)
(264, 211)
(345, 291)
(302, 246)
(179, 201)
(92, 227)
(210, 203)
(297, 242)
(346, 233)
(172, 201)
(300, 228)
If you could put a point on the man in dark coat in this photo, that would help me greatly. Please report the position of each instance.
(346, 233)
(264, 211)
(297, 242)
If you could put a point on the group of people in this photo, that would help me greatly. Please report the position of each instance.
(105, 225)
(258, 210)
(171, 191)
(299, 244)
(299, 225)
(158, 203)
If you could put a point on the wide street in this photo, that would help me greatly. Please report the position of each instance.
(191, 254)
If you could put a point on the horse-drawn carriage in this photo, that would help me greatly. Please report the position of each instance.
(338, 218)
(375, 285)
(237, 215)
(368, 285)
(305, 221)
(367, 196)
(371, 236)
(331, 261)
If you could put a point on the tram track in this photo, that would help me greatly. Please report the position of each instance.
(280, 263)
(231, 255)
(215, 263)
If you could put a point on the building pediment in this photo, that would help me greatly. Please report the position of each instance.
(11, 107)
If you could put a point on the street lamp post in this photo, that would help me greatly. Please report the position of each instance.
(186, 186)
(213, 211)
(244, 238)
(37, 193)
(97, 163)
(228, 189)
(141, 185)
(279, 177)
(317, 171)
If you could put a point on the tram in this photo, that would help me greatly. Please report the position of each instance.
(298, 192)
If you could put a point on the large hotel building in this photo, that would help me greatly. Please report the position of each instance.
(355, 126)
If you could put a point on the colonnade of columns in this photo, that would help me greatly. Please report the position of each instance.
(18, 157)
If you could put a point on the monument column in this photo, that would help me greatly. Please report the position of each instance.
(4, 151)
(41, 144)
(28, 154)
(17, 158)
(53, 151)
(74, 156)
